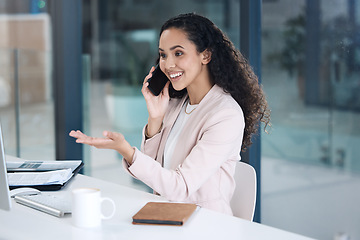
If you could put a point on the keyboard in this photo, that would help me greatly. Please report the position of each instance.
(55, 205)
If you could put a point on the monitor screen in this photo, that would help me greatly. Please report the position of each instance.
(5, 201)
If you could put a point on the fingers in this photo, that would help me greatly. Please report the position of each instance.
(165, 91)
(76, 134)
(149, 75)
(81, 137)
(144, 90)
(91, 141)
(108, 134)
(96, 142)
(72, 133)
(113, 136)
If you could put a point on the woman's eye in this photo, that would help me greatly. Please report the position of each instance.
(162, 55)
(178, 54)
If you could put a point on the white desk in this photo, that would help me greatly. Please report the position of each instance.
(26, 223)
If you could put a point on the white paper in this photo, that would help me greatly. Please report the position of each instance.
(41, 165)
(39, 178)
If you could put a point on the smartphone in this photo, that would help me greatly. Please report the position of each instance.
(157, 81)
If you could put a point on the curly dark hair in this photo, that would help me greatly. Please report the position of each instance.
(228, 69)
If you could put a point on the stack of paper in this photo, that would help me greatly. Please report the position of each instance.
(39, 178)
(43, 175)
(14, 166)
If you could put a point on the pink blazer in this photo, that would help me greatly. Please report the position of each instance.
(204, 158)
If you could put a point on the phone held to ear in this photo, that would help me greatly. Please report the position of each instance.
(157, 81)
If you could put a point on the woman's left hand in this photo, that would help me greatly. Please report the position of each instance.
(156, 105)
(111, 140)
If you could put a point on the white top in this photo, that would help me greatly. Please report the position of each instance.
(175, 132)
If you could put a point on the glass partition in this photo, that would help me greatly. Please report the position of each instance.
(26, 85)
(311, 74)
(26, 103)
(86, 94)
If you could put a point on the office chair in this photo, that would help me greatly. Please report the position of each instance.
(244, 198)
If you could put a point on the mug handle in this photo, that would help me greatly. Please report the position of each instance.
(114, 208)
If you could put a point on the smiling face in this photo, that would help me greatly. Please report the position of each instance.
(181, 62)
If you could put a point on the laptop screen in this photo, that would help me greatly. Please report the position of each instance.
(5, 202)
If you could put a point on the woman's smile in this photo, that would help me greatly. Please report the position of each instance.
(175, 76)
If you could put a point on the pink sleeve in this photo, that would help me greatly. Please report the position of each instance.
(220, 141)
(150, 146)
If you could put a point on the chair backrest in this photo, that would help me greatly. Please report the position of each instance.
(244, 198)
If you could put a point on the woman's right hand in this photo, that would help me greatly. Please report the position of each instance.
(156, 105)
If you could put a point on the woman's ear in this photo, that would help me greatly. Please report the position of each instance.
(206, 56)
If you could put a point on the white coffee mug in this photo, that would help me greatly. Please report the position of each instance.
(87, 207)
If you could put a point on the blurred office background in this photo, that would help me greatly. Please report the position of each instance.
(310, 70)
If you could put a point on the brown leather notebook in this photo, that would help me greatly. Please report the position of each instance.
(164, 213)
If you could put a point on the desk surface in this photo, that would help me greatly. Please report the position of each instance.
(26, 223)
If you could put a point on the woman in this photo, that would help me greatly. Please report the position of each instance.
(203, 118)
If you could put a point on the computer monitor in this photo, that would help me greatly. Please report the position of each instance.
(5, 200)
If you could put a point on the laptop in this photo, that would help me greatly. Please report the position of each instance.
(5, 200)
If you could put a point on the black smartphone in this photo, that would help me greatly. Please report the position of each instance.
(157, 81)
